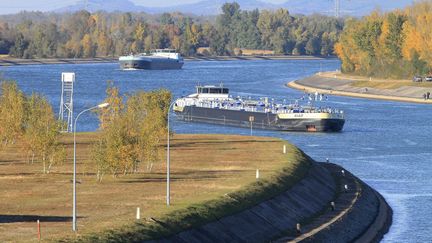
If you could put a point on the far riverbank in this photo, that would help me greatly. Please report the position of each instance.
(335, 84)
(9, 61)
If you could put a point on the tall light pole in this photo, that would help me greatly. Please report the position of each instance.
(251, 120)
(168, 157)
(74, 212)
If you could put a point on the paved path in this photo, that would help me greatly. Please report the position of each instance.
(361, 214)
(342, 87)
(344, 202)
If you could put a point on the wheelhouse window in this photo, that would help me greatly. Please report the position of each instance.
(215, 91)
(203, 90)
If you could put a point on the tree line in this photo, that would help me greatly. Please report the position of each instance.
(131, 130)
(101, 34)
(390, 45)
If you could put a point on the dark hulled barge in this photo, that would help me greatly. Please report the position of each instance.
(212, 104)
(158, 59)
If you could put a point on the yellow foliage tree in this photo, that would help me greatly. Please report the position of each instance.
(131, 133)
(12, 113)
(42, 133)
(395, 45)
(88, 46)
(104, 44)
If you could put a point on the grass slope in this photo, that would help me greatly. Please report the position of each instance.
(212, 176)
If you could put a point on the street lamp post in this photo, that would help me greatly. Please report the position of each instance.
(251, 120)
(168, 157)
(74, 212)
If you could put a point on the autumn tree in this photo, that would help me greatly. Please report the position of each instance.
(42, 131)
(88, 46)
(131, 133)
(85, 34)
(395, 44)
(12, 113)
(31, 121)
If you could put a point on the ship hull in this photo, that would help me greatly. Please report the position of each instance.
(268, 121)
(151, 63)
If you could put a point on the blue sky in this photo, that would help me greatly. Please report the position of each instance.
(11, 6)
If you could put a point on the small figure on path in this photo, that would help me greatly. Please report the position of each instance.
(298, 228)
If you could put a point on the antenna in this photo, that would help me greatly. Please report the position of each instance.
(66, 101)
(337, 8)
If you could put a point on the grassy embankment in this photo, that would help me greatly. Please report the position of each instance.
(390, 84)
(212, 176)
(366, 82)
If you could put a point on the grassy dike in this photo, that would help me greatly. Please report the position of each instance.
(212, 176)
(335, 83)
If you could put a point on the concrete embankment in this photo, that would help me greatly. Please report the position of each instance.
(343, 87)
(359, 214)
(19, 61)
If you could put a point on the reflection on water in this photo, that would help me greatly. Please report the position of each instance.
(387, 144)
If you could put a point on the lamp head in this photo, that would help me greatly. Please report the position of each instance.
(103, 105)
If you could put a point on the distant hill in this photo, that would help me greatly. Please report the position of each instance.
(348, 7)
(212, 7)
(105, 5)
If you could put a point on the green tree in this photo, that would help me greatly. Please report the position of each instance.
(19, 47)
(166, 19)
(312, 46)
(395, 37)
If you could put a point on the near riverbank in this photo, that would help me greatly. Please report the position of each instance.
(206, 171)
(335, 83)
(216, 196)
(9, 61)
(328, 205)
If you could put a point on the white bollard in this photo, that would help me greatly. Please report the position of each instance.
(257, 174)
(138, 214)
(284, 149)
(38, 230)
